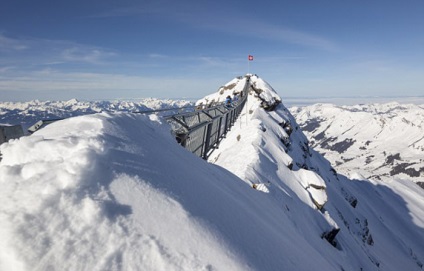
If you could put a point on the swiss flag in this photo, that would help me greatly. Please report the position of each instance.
(250, 58)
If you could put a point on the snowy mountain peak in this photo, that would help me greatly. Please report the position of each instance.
(71, 102)
(111, 191)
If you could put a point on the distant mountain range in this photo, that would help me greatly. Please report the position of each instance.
(373, 141)
(28, 113)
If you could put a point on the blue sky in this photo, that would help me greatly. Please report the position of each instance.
(57, 50)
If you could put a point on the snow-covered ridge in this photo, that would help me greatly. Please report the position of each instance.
(113, 191)
(281, 164)
(377, 141)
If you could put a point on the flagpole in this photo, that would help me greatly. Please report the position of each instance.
(249, 58)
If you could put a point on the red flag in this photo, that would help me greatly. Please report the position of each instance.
(250, 57)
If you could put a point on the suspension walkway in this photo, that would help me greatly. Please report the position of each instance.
(199, 129)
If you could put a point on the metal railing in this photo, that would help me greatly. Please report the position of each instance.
(201, 131)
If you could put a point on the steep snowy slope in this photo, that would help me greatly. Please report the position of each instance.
(379, 223)
(115, 192)
(374, 141)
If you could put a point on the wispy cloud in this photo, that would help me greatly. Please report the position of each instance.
(230, 19)
(86, 54)
(5, 69)
(32, 52)
(255, 28)
(284, 34)
(157, 56)
(8, 44)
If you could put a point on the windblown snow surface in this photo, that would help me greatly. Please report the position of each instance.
(113, 191)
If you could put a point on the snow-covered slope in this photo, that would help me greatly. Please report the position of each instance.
(115, 192)
(369, 214)
(373, 141)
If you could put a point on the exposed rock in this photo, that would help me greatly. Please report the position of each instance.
(342, 146)
(369, 159)
(404, 168)
(287, 127)
(350, 198)
(311, 125)
(391, 158)
(10, 132)
(268, 104)
(330, 236)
